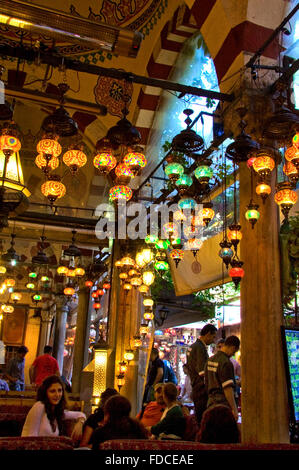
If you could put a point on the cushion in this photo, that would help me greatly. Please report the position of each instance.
(36, 443)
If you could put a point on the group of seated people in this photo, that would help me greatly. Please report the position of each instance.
(163, 418)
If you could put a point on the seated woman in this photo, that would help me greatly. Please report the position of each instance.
(95, 419)
(218, 426)
(172, 423)
(46, 416)
(117, 423)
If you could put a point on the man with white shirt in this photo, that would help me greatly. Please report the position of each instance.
(197, 357)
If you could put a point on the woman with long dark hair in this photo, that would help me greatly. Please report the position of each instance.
(117, 423)
(46, 416)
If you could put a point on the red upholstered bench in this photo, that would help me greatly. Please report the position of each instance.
(140, 444)
(36, 443)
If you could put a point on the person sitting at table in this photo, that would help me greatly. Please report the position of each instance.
(172, 423)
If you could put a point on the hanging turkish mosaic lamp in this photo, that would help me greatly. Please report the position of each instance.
(123, 174)
(285, 197)
(174, 171)
(148, 277)
(263, 190)
(291, 171)
(74, 158)
(137, 341)
(292, 155)
(162, 244)
(236, 272)
(177, 256)
(243, 146)
(263, 165)
(207, 213)
(151, 240)
(104, 159)
(9, 142)
(187, 141)
(234, 234)
(53, 188)
(46, 165)
(160, 265)
(252, 214)
(193, 244)
(203, 172)
(11, 255)
(135, 161)
(226, 253)
(120, 193)
(184, 183)
(186, 203)
(49, 146)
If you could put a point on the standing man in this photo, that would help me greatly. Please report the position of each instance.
(220, 376)
(15, 370)
(155, 375)
(43, 366)
(197, 357)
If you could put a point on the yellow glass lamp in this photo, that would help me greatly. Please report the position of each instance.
(11, 173)
(100, 368)
(148, 277)
(129, 355)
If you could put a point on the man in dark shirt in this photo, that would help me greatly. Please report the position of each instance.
(15, 370)
(197, 357)
(220, 377)
(155, 375)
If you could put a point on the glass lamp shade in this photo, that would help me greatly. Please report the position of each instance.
(33, 275)
(71, 273)
(45, 164)
(236, 272)
(207, 214)
(132, 272)
(100, 292)
(106, 285)
(9, 144)
(263, 165)
(69, 291)
(252, 214)
(123, 173)
(136, 281)
(53, 189)
(79, 272)
(147, 255)
(151, 239)
(16, 296)
(186, 203)
(148, 316)
(177, 256)
(37, 298)
(184, 182)
(285, 197)
(148, 277)
(10, 282)
(120, 381)
(292, 155)
(88, 283)
(295, 140)
(74, 159)
(135, 161)
(44, 279)
(291, 171)
(263, 190)
(174, 171)
(49, 147)
(30, 285)
(62, 270)
(137, 341)
(96, 305)
(140, 260)
(144, 329)
(123, 276)
(7, 308)
(127, 262)
(118, 264)
(11, 173)
(122, 367)
(143, 289)
(129, 355)
(120, 193)
(234, 234)
(250, 161)
(104, 162)
(203, 173)
(127, 286)
(193, 244)
(162, 244)
(2, 269)
(148, 302)
(161, 266)
(94, 295)
(176, 243)
(226, 254)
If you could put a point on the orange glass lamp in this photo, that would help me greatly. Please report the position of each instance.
(148, 302)
(104, 162)
(123, 173)
(6, 308)
(71, 273)
(122, 367)
(74, 159)
(2, 270)
(46, 165)
(136, 281)
(88, 284)
(94, 295)
(135, 161)
(96, 306)
(106, 285)
(207, 213)
(144, 329)
(143, 289)
(234, 234)
(193, 244)
(137, 341)
(263, 190)
(123, 276)
(291, 171)
(292, 155)
(16, 296)
(120, 381)
(120, 193)
(10, 282)
(285, 197)
(53, 188)
(79, 271)
(11, 173)
(177, 256)
(100, 368)
(49, 147)
(62, 270)
(9, 144)
(127, 286)
(127, 262)
(69, 291)
(263, 165)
